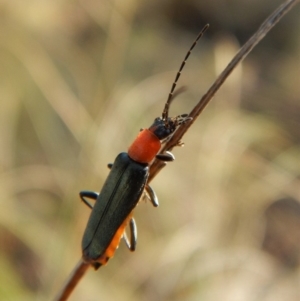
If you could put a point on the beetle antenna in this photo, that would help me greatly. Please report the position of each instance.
(165, 112)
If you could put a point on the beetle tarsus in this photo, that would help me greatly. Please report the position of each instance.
(166, 157)
(131, 244)
(88, 194)
(152, 195)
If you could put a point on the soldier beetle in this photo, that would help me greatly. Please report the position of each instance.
(126, 183)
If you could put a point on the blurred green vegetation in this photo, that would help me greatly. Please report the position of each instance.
(78, 81)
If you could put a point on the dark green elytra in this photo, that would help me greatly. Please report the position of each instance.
(118, 197)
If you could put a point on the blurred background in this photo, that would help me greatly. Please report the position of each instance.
(80, 78)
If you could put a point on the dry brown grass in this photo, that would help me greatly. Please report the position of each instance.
(78, 80)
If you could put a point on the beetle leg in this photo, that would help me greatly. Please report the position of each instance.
(166, 157)
(152, 195)
(131, 245)
(88, 194)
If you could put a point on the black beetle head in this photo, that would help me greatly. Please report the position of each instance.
(163, 128)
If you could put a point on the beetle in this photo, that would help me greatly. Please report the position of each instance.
(126, 184)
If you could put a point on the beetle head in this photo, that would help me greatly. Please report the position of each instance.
(163, 128)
